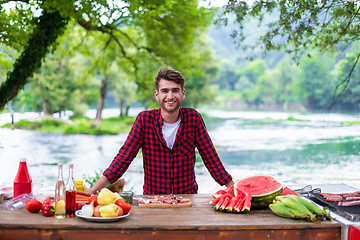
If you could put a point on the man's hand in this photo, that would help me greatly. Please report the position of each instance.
(100, 184)
(229, 184)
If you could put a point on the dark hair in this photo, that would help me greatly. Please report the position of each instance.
(169, 74)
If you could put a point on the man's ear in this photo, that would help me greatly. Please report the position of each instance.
(156, 94)
(183, 94)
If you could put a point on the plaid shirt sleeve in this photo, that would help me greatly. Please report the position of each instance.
(209, 154)
(126, 153)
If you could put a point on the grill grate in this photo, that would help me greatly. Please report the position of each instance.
(351, 213)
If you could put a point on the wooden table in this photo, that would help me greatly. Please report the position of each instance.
(197, 222)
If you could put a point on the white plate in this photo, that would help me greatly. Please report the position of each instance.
(100, 219)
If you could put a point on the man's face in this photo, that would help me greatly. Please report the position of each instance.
(169, 95)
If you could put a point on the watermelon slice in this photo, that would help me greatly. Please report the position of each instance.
(219, 204)
(246, 205)
(232, 203)
(239, 206)
(229, 190)
(224, 204)
(261, 189)
(288, 191)
(215, 201)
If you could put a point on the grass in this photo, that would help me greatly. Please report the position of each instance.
(350, 123)
(291, 118)
(82, 125)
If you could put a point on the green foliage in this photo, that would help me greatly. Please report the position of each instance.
(134, 33)
(50, 26)
(316, 83)
(81, 125)
(350, 96)
(298, 24)
(45, 125)
(291, 118)
(296, 27)
(91, 180)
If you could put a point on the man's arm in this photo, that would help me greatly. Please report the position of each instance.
(229, 184)
(210, 157)
(100, 184)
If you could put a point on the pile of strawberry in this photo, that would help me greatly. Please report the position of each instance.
(226, 201)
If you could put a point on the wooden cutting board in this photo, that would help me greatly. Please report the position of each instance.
(165, 205)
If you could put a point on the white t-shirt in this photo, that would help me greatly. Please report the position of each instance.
(169, 131)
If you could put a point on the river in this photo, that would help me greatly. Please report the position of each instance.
(317, 150)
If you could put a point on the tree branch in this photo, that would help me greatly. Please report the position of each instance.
(24, 1)
(345, 81)
(132, 41)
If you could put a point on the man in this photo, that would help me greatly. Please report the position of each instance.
(168, 137)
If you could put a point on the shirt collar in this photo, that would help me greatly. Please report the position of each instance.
(161, 121)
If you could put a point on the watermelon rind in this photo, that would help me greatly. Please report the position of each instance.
(260, 200)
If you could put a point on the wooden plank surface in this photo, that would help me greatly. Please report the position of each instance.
(166, 205)
(198, 220)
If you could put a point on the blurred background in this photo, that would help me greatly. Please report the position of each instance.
(279, 90)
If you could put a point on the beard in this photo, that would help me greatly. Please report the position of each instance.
(170, 109)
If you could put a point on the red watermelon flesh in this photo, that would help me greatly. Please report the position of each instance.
(262, 189)
(247, 201)
(232, 203)
(288, 191)
(229, 190)
(220, 202)
(247, 204)
(224, 204)
(239, 205)
(215, 201)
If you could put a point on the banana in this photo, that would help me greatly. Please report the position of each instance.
(294, 204)
(283, 211)
(311, 206)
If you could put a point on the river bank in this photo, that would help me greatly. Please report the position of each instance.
(319, 150)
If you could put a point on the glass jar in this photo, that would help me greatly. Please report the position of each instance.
(127, 196)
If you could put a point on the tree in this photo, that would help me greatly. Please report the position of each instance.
(123, 89)
(286, 80)
(315, 82)
(163, 24)
(351, 96)
(325, 25)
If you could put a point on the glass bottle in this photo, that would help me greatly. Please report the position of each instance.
(70, 193)
(22, 181)
(60, 194)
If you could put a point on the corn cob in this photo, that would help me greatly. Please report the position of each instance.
(311, 206)
(292, 203)
(283, 211)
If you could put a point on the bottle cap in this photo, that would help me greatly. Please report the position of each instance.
(71, 165)
(60, 165)
(22, 159)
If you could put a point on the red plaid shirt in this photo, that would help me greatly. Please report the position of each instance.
(168, 170)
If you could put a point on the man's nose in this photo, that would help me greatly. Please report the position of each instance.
(170, 94)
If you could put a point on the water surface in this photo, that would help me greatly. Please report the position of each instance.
(317, 150)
